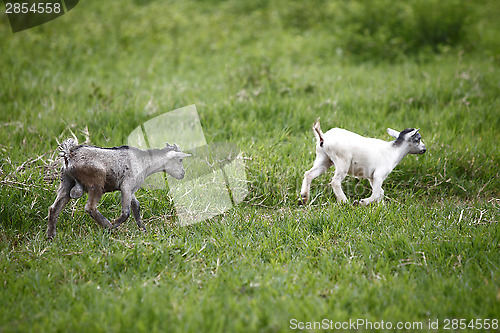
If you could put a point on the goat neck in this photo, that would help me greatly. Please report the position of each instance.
(398, 153)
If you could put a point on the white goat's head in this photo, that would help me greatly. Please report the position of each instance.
(410, 138)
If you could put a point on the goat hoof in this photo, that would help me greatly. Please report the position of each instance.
(361, 202)
(51, 234)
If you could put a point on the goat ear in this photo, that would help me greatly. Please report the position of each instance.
(393, 133)
(412, 133)
(180, 154)
(173, 147)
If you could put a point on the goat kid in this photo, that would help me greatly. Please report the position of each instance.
(359, 156)
(98, 170)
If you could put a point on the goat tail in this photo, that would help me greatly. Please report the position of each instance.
(65, 148)
(318, 133)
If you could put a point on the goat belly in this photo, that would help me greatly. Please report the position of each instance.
(356, 171)
(360, 170)
(113, 181)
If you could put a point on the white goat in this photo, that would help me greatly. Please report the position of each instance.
(98, 170)
(361, 157)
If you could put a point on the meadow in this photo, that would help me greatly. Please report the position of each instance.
(259, 74)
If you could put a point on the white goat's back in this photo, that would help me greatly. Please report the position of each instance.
(360, 155)
(350, 143)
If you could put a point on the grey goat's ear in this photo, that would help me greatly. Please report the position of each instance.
(393, 133)
(180, 154)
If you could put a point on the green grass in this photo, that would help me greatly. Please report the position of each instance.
(259, 73)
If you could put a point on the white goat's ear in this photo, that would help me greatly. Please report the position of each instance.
(393, 133)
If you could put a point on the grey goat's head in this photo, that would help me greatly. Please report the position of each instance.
(173, 163)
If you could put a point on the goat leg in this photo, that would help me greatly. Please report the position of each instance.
(56, 208)
(136, 210)
(377, 191)
(320, 166)
(126, 202)
(336, 183)
(91, 208)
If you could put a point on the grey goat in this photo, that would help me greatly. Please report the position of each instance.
(98, 170)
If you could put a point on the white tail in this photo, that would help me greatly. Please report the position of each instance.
(318, 133)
